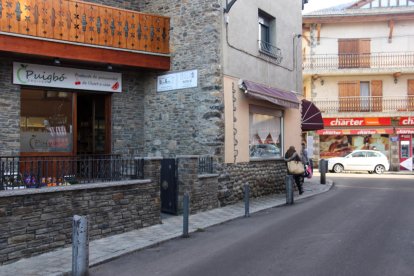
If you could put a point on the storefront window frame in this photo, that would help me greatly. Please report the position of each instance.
(270, 151)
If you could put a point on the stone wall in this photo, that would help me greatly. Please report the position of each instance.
(202, 189)
(9, 110)
(264, 177)
(34, 221)
(128, 114)
(188, 121)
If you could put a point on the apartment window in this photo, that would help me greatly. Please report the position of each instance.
(354, 53)
(265, 132)
(360, 96)
(267, 34)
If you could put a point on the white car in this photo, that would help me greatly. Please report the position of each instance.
(360, 160)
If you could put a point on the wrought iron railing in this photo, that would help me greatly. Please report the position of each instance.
(348, 61)
(271, 50)
(86, 23)
(366, 104)
(205, 164)
(19, 172)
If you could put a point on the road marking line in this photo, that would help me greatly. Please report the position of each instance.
(375, 188)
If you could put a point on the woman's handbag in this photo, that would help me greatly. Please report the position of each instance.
(296, 167)
(308, 172)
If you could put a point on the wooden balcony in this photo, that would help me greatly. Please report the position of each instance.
(349, 61)
(393, 104)
(76, 23)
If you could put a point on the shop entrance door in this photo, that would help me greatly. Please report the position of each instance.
(93, 131)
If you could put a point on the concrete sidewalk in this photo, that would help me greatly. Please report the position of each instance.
(59, 262)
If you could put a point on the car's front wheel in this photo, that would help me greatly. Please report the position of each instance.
(338, 168)
(379, 169)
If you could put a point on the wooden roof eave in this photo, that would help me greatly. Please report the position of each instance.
(355, 18)
(82, 53)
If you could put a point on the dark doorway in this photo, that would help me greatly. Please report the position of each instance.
(168, 187)
(92, 123)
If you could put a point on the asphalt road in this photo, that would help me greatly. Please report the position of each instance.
(363, 226)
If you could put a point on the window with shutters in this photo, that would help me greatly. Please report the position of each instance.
(360, 96)
(354, 53)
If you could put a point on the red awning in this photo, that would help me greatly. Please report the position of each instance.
(270, 94)
(311, 116)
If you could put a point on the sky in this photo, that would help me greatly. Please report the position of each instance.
(322, 4)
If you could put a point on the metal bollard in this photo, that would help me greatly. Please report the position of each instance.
(323, 169)
(246, 200)
(80, 246)
(186, 211)
(289, 189)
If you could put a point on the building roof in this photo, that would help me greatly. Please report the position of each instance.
(353, 8)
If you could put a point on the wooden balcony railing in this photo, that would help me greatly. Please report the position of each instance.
(85, 23)
(366, 104)
(346, 61)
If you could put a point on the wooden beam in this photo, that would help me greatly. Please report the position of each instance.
(307, 39)
(391, 25)
(35, 47)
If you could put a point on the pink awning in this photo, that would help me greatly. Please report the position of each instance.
(270, 94)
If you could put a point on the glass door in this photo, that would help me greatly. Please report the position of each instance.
(92, 119)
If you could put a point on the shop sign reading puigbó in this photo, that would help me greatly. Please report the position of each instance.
(62, 77)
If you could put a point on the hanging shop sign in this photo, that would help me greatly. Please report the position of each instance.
(180, 80)
(404, 131)
(406, 121)
(351, 122)
(61, 77)
(355, 131)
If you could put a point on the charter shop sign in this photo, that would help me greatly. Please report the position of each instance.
(342, 122)
(61, 77)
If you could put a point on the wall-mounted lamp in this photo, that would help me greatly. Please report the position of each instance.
(56, 61)
(396, 76)
(109, 67)
(317, 77)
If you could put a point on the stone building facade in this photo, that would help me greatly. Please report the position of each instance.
(243, 110)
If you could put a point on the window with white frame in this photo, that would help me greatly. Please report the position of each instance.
(265, 132)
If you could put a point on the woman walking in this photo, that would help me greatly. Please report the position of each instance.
(292, 155)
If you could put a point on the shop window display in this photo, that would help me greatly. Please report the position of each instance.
(341, 145)
(265, 136)
(46, 121)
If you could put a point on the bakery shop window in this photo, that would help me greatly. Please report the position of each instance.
(46, 121)
(265, 132)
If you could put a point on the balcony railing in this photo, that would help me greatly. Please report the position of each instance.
(18, 172)
(348, 61)
(86, 23)
(366, 104)
(270, 50)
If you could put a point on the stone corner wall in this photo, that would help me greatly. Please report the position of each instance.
(201, 189)
(36, 223)
(265, 177)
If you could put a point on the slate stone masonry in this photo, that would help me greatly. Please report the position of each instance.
(9, 110)
(36, 221)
